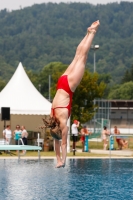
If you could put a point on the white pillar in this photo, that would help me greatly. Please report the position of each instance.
(68, 136)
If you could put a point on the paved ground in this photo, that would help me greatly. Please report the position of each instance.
(113, 152)
(72, 157)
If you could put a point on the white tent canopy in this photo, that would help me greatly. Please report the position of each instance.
(22, 97)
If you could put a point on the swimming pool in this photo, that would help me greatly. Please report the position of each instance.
(87, 179)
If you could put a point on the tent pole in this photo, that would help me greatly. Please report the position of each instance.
(38, 150)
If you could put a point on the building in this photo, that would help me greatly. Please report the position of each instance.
(113, 113)
(121, 114)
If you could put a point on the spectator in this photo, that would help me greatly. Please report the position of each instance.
(105, 133)
(121, 142)
(84, 131)
(24, 135)
(124, 143)
(17, 134)
(74, 130)
(118, 139)
(7, 133)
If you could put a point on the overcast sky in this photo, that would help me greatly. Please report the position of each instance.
(16, 4)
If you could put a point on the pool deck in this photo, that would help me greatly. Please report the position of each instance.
(104, 154)
(72, 157)
(118, 153)
(113, 152)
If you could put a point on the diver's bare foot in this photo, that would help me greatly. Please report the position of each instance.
(93, 28)
(59, 165)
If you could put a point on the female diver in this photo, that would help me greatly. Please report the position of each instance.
(67, 83)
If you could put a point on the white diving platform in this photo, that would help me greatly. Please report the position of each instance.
(4, 146)
(19, 147)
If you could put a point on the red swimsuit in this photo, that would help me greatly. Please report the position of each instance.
(63, 84)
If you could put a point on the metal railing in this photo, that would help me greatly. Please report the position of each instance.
(24, 152)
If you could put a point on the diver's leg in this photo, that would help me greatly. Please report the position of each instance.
(70, 67)
(57, 150)
(77, 73)
(64, 144)
(82, 50)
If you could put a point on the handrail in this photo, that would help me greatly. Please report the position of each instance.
(38, 145)
(25, 150)
(116, 135)
(20, 139)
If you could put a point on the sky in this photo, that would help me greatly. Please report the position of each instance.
(17, 4)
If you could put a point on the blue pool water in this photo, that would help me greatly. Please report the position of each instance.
(87, 179)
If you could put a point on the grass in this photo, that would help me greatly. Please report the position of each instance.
(52, 154)
(92, 145)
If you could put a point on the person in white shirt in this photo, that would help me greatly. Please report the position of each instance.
(74, 131)
(7, 133)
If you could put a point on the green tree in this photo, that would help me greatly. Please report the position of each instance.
(34, 77)
(106, 78)
(124, 91)
(54, 69)
(128, 76)
(2, 84)
(50, 32)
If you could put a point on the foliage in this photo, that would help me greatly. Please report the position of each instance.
(107, 79)
(124, 91)
(2, 84)
(6, 70)
(104, 77)
(128, 76)
(47, 78)
(50, 32)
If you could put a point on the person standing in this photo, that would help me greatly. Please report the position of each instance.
(7, 133)
(74, 130)
(105, 133)
(84, 131)
(24, 135)
(17, 134)
(118, 139)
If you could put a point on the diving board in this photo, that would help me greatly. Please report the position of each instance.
(4, 145)
(19, 147)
